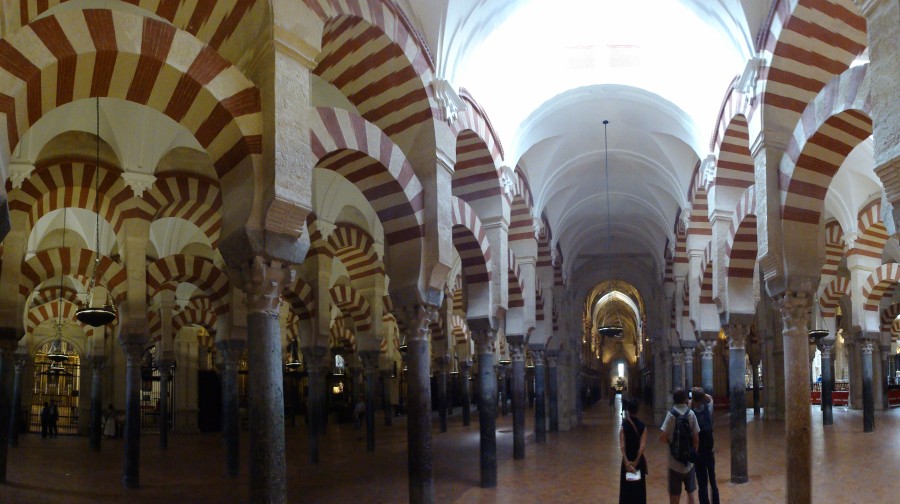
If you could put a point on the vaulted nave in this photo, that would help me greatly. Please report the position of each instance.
(285, 245)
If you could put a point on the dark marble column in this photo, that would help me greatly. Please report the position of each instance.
(441, 373)
(8, 343)
(540, 420)
(231, 351)
(737, 371)
(98, 363)
(16, 406)
(315, 360)
(517, 356)
(553, 389)
(706, 365)
(795, 313)
(827, 383)
(502, 386)
(688, 367)
(418, 431)
(165, 368)
(263, 282)
(465, 367)
(485, 339)
(677, 368)
(885, 351)
(865, 349)
(386, 398)
(369, 360)
(132, 433)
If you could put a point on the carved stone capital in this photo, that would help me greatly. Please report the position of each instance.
(826, 350)
(133, 352)
(678, 358)
(19, 172)
(688, 358)
(706, 348)
(263, 282)
(866, 347)
(485, 341)
(737, 336)
(795, 312)
(517, 351)
(138, 182)
(537, 355)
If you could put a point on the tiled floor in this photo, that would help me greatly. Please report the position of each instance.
(580, 466)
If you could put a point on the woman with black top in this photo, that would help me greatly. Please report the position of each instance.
(632, 441)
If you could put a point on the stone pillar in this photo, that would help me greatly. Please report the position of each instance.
(795, 313)
(386, 397)
(165, 368)
(689, 368)
(16, 406)
(517, 356)
(263, 282)
(502, 376)
(885, 351)
(315, 361)
(370, 368)
(487, 405)
(677, 368)
(8, 344)
(827, 382)
(231, 351)
(540, 415)
(553, 388)
(737, 337)
(865, 349)
(98, 363)
(418, 432)
(465, 367)
(442, 371)
(131, 473)
(754, 355)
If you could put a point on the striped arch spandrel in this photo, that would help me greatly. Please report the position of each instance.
(74, 262)
(167, 272)
(833, 124)
(471, 243)
(121, 55)
(741, 253)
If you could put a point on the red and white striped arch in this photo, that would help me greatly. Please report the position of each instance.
(544, 239)
(50, 293)
(521, 220)
(189, 197)
(741, 249)
(437, 329)
(475, 175)
(474, 119)
(211, 22)
(806, 44)
(558, 267)
(681, 255)
(51, 311)
(166, 273)
(301, 297)
(77, 54)
(706, 275)
(883, 278)
(889, 322)
(834, 247)
(538, 305)
(360, 152)
(873, 234)
(837, 288)
(460, 329)
(830, 127)
(70, 183)
(356, 249)
(339, 336)
(377, 59)
(352, 304)
(470, 240)
(516, 288)
(699, 206)
(460, 300)
(199, 312)
(734, 165)
(78, 263)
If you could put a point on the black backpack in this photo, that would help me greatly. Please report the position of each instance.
(704, 420)
(682, 437)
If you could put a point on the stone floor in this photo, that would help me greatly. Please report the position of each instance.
(579, 466)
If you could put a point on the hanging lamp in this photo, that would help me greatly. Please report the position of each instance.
(614, 328)
(56, 353)
(294, 360)
(818, 329)
(103, 313)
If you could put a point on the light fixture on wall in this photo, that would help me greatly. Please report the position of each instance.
(817, 331)
(103, 313)
(613, 328)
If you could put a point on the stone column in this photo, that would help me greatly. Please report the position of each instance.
(165, 368)
(370, 368)
(263, 282)
(688, 367)
(827, 382)
(231, 351)
(754, 355)
(540, 415)
(315, 361)
(131, 474)
(737, 369)
(885, 351)
(795, 313)
(865, 349)
(517, 356)
(386, 397)
(465, 367)
(677, 368)
(16, 406)
(98, 363)
(487, 405)
(418, 432)
(502, 376)
(553, 388)
(8, 344)
(442, 370)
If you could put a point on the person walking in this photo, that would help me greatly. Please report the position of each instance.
(45, 420)
(632, 442)
(682, 433)
(702, 405)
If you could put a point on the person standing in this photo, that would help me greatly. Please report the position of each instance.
(702, 405)
(45, 420)
(54, 418)
(632, 441)
(680, 428)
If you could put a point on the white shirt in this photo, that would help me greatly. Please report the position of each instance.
(668, 427)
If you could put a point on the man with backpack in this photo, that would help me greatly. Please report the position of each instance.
(702, 406)
(681, 432)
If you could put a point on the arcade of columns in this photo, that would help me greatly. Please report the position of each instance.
(292, 198)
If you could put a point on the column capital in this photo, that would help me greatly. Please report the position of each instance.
(866, 347)
(537, 354)
(552, 358)
(516, 351)
(677, 358)
(737, 335)
(706, 348)
(263, 282)
(688, 357)
(794, 308)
